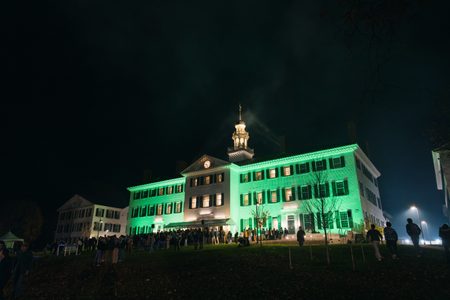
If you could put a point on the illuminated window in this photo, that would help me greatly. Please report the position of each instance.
(259, 198)
(206, 201)
(287, 171)
(180, 188)
(169, 209)
(207, 180)
(340, 189)
(218, 199)
(273, 196)
(178, 207)
(288, 194)
(246, 199)
(194, 202)
(219, 178)
(170, 190)
(246, 178)
(161, 191)
(272, 173)
(245, 223)
(159, 209)
(195, 181)
(275, 222)
(258, 175)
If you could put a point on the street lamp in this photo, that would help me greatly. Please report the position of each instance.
(427, 232)
(417, 210)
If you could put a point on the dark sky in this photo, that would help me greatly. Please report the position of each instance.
(93, 93)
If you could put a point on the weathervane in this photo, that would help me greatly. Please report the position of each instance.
(240, 107)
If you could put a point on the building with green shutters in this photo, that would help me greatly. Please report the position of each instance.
(216, 193)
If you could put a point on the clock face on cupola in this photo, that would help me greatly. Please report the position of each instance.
(207, 164)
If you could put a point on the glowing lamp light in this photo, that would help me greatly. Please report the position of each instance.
(413, 207)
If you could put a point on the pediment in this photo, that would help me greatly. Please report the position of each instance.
(75, 202)
(201, 165)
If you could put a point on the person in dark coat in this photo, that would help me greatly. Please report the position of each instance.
(414, 232)
(22, 265)
(444, 234)
(5, 270)
(301, 237)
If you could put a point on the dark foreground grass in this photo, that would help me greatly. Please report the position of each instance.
(229, 272)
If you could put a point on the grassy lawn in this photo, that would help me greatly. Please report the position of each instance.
(229, 272)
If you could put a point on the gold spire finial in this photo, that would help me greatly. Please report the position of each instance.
(240, 107)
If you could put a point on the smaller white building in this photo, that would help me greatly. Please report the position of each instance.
(79, 218)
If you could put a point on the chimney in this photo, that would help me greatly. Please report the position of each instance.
(181, 165)
(283, 144)
(147, 178)
(352, 132)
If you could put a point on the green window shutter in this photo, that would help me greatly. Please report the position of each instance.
(327, 189)
(268, 173)
(313, 163)
(255, 198)
(333, 186)
(255, 222)
(262, 174)
(282, 171)
(249, 198)
(338, 219)
(316, 190)
(242, 224)
(292, 169)
(278, 195)
(250, 223)
(324, 162)
(254, 176)
(342, 162)
(263, 197)
(299, 193)
(242, 178)
(211, 200)
(242, 200)
(330, 220)
(279, 222)
(319, 221)
(330, 160)
(307, 167)
(283, 194)
(293, 193)
(249, 176)
(268, 197)
(350, 218)
(223, 199)
(297, 169)
(346, 191)
(276, 173)
(309, 192)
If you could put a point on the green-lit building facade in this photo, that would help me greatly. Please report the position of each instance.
(216, 193)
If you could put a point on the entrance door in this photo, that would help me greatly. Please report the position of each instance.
(291, 224)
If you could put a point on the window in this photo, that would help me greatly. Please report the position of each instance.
(258, 175)
(361, 188)
(159, 209)
(109, 214)
(218, 199)
(180, 188)
(375, 181)
(273, 173)
(320, 166)
(304, 168)
(259, 198)
(195, 181)
(161, 192)
(152, 210)
(322, 190)
(246, 178)
(178, 207)
(194, 202)
(288, 194)
(170, 190)
(275, 222)
(305, 192)
(117, 215)
(89, 212)
(245, 223)
(143, 211)
(116, 228)
(219, 178)
(344, 219)
(273, 196)
(169, 208)
(145, 194)
(62, 216)
(60, 228)
(135, 212)
(79, 227)
(358, 163)
(337, 162)
(207, 180)
(246, 199)
(66, 228)
(287, 171)
(340, 189)
(206, 201)
(82, 213)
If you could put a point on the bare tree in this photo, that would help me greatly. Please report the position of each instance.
(261, 215)
(324, 204)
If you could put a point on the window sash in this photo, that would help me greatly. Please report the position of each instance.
(287, 171)
(206, 201)
(288, 194)
(272, 173)
(245, 199)
(259, 198)
(194, 202)
(219, 199)
(258, 175)
(273, 196)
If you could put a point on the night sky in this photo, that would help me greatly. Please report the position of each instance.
(93, 93)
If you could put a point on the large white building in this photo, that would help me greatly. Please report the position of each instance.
(441, 161)
(220, 193)
(80, 218)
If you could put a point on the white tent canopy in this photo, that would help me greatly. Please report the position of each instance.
(9, 239)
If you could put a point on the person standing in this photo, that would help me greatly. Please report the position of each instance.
(444, 234)
(414, 232)
(99, 254)
(122, 245)
(5, 269)
(22, 265)
(80, 244)
(110, 245)
(200, 239)
(300, 237)
(391, 238)
(375, 236)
